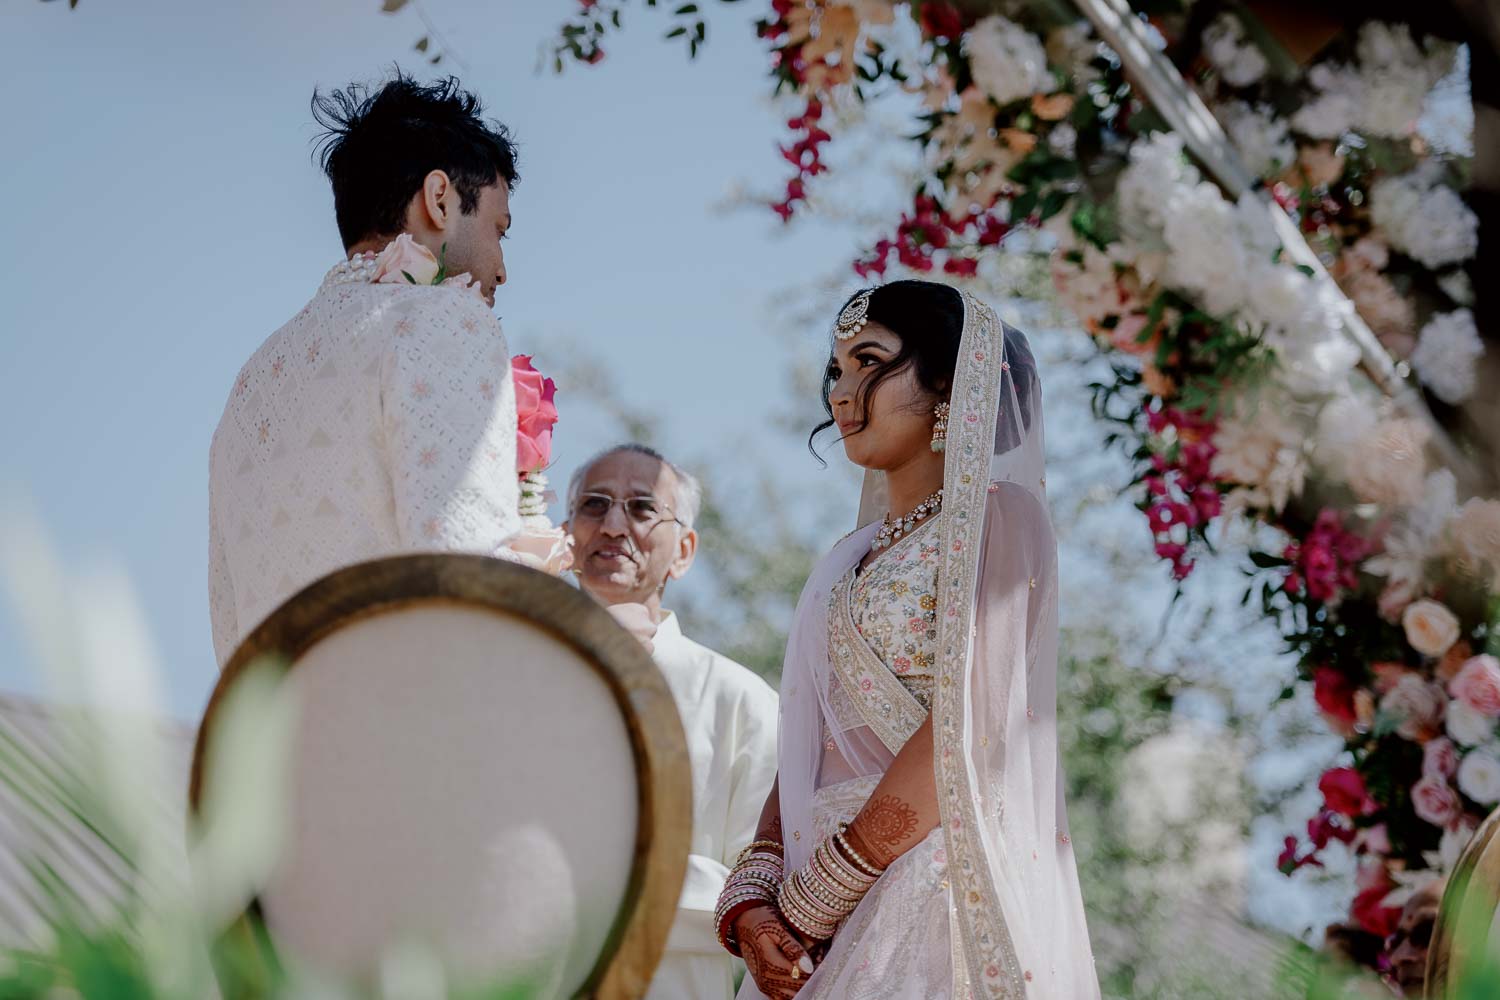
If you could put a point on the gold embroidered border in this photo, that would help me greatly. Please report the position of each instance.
(994, 970)
(892, 712)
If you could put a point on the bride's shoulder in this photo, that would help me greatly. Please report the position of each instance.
(1015, 506)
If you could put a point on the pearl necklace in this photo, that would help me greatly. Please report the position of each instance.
(892, 531)
(357, 270)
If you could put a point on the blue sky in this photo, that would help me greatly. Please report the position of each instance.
(166, 216)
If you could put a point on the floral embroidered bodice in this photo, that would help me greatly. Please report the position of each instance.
(893, 604)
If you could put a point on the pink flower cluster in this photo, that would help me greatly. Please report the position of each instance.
(1325, 564)
(1182, 496)
(926, 231)
(805, 154)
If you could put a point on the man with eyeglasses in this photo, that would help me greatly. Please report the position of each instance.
(631, 514)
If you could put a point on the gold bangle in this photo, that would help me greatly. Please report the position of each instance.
(758, 843)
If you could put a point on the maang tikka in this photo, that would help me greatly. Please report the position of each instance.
(853, 318)
(940, 428)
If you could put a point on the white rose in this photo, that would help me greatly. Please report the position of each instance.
(1430, 627)
(1007, 61)
(1479, 777)
(1447, 353)
(1468, 726)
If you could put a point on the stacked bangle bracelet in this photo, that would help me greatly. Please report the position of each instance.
(817, 897)
(755, 880)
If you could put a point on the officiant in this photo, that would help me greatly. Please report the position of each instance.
(631, 514)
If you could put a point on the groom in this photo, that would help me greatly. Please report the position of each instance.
(382, 418)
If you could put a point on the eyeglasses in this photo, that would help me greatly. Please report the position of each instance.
(642, 511)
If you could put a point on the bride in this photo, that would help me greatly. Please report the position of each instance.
(915, 844)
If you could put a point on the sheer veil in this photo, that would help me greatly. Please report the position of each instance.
(1018, 924)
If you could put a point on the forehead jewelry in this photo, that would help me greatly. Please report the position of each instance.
(852, 319)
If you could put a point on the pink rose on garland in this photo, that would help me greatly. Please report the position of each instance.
(536, 414)
(1478, 685)
(1440, 758)
(1435, 801)
(1325, 563)
(1344, 791)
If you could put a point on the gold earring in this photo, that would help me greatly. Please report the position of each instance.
(940, 428)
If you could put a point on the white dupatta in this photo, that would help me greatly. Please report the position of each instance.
(1019, 928)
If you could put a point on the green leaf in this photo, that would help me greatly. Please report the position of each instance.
(422, 44)
(408, 277)
(678, 31)
(391, 6)
(687, 8)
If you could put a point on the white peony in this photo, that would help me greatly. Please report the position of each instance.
(1448, 350)
(1469, 727)
(1479, 777)
(1157, 177)
(1007, 61)
(1343, 422)
(1207, 254)
(1073, 48)
(1238, 60)
(1382, 94)
(1425, 219)
(1260, 136)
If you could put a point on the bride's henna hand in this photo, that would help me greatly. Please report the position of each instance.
(883, 830)
(771, 951)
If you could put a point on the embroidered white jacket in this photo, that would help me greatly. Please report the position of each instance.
(380, 420)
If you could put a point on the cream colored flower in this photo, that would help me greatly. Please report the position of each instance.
(1479, 777)
(1475, 535)
(1430, 627)
(1389, 466)
(1262, 449)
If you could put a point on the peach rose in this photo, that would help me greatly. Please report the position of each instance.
(547, 549)
(1430, 628)
(1157, 383)
(1127, 333)
(1453, 661)
(1322, 165)
(403, 257)
(1478, 685)
(1435, 801)
(1051, 107)
(1417, 705)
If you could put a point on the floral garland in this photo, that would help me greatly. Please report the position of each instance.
(1235, 387)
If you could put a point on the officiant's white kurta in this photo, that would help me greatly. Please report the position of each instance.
(730, 717)
(380, 420)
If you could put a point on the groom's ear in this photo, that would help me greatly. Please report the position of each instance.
(437, 201)
(687, 549)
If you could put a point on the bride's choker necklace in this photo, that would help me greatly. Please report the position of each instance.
(891, 532)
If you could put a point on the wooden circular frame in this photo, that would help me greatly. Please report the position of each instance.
(1472, 894)
(638, 935)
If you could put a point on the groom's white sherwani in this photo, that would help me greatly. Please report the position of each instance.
(730, 717)
(380, 420)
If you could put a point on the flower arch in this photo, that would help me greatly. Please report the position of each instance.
(1246, 216)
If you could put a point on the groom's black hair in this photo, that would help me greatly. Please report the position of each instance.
(378, 146)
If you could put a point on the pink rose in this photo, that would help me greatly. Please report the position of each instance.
(1440, 758)
(1435, 801)
(468, 283)
(405, 256)
(536, 414)
(1344, 791)
(1478, 685)
(547, 549)
(1417, 704)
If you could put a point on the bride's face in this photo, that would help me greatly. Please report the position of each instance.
(887, 425)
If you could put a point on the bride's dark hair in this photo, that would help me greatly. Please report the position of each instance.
(928, 317)
(377, 146)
